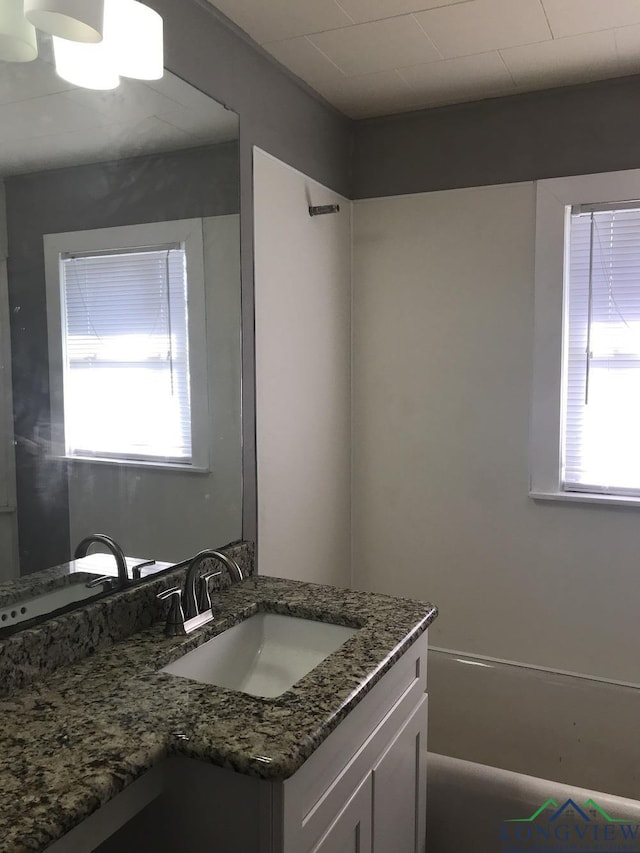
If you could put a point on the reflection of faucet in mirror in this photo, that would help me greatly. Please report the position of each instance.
(109, 543)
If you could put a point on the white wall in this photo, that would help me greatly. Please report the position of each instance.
(170, 515)
(8, 522)
(442, 363)
(302, 286)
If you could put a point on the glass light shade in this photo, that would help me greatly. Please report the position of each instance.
(88, 65)
(76, 20)
(17, 36)
(135, 35)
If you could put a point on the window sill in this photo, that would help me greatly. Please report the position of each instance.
(134, 463)
(586, 498)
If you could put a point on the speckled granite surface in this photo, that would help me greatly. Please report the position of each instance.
(73, 741)
(33, 652)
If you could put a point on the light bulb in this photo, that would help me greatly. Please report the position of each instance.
(91, 66)
(135, 34)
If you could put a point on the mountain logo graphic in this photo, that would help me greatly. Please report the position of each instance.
(589, 811)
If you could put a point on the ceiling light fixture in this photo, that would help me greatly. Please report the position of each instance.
(94, 41)
(76, 20)
(132, 47)
(134, 33)
(18, 41)
(87, 65)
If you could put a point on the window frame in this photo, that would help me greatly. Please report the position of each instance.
(554, 200)
(185, 231)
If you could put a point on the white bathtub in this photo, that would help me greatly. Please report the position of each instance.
(503, 738)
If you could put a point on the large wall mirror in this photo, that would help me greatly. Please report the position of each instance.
(119, 319)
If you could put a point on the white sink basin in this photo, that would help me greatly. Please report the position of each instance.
(264, 655)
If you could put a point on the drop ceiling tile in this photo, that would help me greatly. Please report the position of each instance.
(465, 78)
(271, 20)
(357, 96)
(304, 59)
(131, 100)
(576, 59)
(45, 116)
(572, 17)
(479, 26)
(20, 81)
(376, 46)
(375, 10)
(184, 93)
(90, 145)
(369, 95)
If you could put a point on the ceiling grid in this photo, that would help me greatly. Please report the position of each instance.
(376, 57)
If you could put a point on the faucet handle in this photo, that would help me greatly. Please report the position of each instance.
(105, 580)
(136, 571)
(204, 597)
(175, 617)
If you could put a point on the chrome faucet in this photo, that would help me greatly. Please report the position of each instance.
(112, 546)
(192, 601)
(190, 609)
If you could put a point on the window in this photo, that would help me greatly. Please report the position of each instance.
(601, 383)
(585, 422)
(126, 336)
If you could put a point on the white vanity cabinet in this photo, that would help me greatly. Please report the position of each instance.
(362, 791)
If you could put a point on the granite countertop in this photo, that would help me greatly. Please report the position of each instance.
(71, 742)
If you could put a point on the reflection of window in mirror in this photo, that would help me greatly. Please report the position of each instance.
(127, 344)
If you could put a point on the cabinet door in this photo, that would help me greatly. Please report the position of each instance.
(351, 830)
(399, 789)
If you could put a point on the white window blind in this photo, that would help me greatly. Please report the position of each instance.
(126, 354)
(601, 400)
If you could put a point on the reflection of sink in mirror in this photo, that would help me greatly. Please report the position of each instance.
(47, 603)
(264, 655)
(105, 564)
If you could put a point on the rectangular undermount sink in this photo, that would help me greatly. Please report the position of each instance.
(264, 656)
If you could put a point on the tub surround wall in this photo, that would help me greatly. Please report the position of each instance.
(77, 739)
(303, 342)
(443, 349)
(544, 724)
(30, 655)
(443, 343)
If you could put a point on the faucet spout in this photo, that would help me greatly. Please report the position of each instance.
(109, 543)
(190, 596)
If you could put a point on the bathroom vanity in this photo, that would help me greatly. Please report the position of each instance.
(112, 753)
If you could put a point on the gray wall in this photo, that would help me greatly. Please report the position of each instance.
(569, 131)
(277, 115)
(145, 189)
